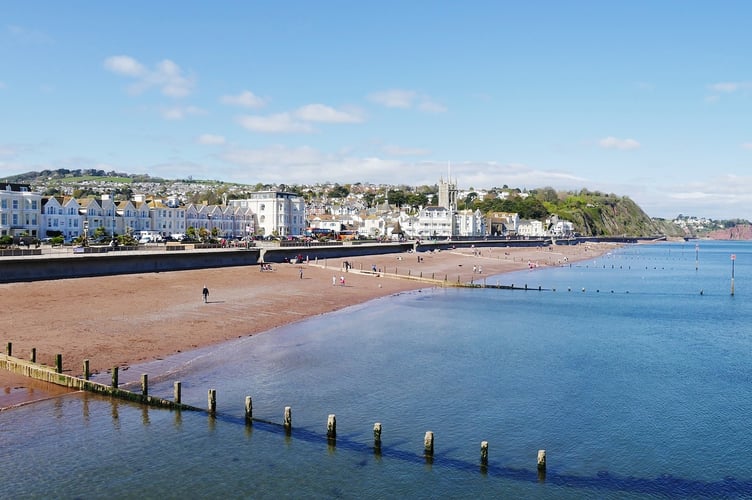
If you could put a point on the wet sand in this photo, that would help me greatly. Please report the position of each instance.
(124, 320)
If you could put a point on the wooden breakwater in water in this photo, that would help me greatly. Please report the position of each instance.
(55, 376)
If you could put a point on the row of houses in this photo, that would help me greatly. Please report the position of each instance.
(23, 212)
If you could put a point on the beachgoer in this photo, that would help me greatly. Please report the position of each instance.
(205, 292)
(342, 281)
(334, 280)
(301, 273)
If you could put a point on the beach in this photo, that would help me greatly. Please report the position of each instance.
(129, 319)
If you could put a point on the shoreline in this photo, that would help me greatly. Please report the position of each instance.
(133, 319)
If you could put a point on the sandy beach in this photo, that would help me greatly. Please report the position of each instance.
(124, 320)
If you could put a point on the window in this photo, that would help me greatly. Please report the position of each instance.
(15, 204)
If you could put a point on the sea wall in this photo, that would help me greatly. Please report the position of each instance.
(104, 262)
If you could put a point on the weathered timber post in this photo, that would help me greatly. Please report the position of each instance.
(541, 460)
(212, 402)
(421, 274)
(433, 276)
(176, 392)
(59, 363)
(87, 374)
(377, 437)
(287, 422)
(248, 410)
(525, 286)
(331, 427)
(484, 453)
(114, 377)
(409, 272)
(145, 384)
(9, 349)
(33, 357)
(428, 444)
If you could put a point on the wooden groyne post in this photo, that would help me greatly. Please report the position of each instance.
(145, 384)
(33, 357)
(59, 363)
(377, 437)
(541, 460)
(9, 349)
(177, 392)
(114, 377)
(248, 410)
(212, 402)
(87, 373)
(428, 444)
(287, 422)
(331, 427)
(484, 453)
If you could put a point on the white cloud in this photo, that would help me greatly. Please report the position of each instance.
(124, 65)
(245, 99)
(211, 139)
(277, 123)
(29, 36)
(180, 112)
(622, 144)
(394, 98)
(406, 99)
(166, 75)
(326, 114)
(729, 87)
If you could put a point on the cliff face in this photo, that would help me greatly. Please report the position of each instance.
(609, 216)
(739, 232)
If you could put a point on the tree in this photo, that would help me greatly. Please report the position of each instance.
(339, 191)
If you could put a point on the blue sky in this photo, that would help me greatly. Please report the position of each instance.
(651, 100)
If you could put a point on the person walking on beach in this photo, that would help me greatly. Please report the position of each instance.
(205, 293)
(301, 273)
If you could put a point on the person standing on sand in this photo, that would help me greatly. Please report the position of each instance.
(301, 273)
(205, 292)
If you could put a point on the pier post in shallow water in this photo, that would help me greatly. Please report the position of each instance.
(484, 452)
(287, 422)
(541, 460)
(428, 444)
(87, 373)
(176, 391)
(59, 363)
(145, 384)
(114, 377)
(248, 410)
(212, 402)
(331, 427)
(377, 436)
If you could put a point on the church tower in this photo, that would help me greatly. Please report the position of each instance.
(448, 194)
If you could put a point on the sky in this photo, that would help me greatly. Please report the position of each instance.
(645, 99)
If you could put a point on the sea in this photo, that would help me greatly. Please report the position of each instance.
(631, 370)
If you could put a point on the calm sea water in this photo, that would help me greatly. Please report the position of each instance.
(632, 370)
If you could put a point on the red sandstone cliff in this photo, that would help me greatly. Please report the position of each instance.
(740, 232)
